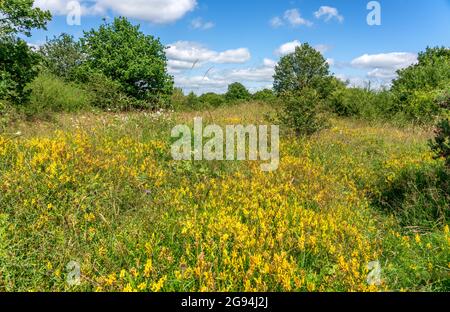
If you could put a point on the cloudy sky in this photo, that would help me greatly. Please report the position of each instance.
(212, 43)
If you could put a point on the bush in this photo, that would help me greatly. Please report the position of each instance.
(62, 55)
(107, 94)
(211, 100)
(121, 52)
(237, 92)
(192, 101)
(18, 67)
(7, 114)
(304, 68)
(418, 197)
(265, 95)
(441, 143)
(17, 61)
(421, 106)
(52, 94)
(417, 87)
(300, 112)
(358, 102)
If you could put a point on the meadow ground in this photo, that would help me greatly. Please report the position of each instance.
(102, 190)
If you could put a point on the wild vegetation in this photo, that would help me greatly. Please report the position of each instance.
(86, 174)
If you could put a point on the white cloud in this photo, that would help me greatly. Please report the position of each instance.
(381, 73)
(322, 48)
(276, 22)
(288, 47)
(262, 73)
(196, 54)
(59, 7)
(269, 62)
(254, 78)
(292, 17)
(353, 81)
(198, 23)
(330, 61)
(155, 11)
(381, 68)
(329, 13)
(392, 61)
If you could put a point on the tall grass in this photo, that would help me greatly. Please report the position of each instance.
(51, 94)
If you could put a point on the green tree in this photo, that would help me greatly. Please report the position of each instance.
(417, 87)
(298, 113)
(17, 61)
(124, 54)
(62, 55)
(236, 92)
(304, 68)
(441, 143)
(265, 95)
(211, 99)
(192, 100)
(20, 17)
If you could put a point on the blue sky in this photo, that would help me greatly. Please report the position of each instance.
(212, 43)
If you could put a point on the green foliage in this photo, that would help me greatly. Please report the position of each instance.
(17, 61)
(20, 17)
(364, 103)
(108, 94)
(265, 95)
(178, 99)
(417, 86)
(419, 196)
(136, 61)
(50, 93)
(305, 68)
(300, 112)
(441, 143)
(237, 92)
(211, 100)
(7, 114)
(62, 55)
(192, 101)
(18, 66)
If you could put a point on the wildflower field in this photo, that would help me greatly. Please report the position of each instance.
(102, 190)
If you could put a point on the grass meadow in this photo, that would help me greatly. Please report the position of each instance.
(101, 190)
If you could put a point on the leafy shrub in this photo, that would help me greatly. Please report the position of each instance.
(211, 100)
(18, 67)
(121, 52)
(178, 99)
(441, 143)
(300, 112)
(265, 95)
(192, 101)
(304, 68)
(107, 94)
(7, 114)
(237, 92)
(421, 106)
(50, 93)
(417, 87)
(418, 196)
(360, 102)
(17, 60)
(62, 55)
